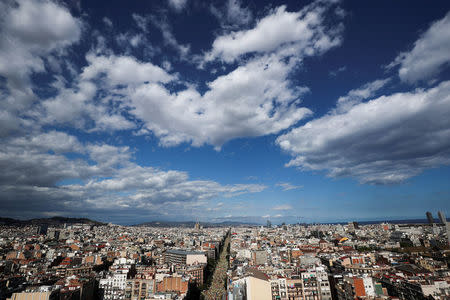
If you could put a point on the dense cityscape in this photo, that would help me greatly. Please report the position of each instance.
(91, 260)
(224, 150)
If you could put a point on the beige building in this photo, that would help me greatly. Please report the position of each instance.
(256, 286)
(137, 289)
(38, 295)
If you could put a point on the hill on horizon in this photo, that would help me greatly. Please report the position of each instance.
(57, 220)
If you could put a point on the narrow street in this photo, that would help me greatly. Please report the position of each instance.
(217, 289)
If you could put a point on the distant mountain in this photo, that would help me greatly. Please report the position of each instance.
(48, 221)
(191, 224)
(165, 224)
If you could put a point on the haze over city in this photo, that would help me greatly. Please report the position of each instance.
(187, 110)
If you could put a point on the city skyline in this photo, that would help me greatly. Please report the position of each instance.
(180, 110)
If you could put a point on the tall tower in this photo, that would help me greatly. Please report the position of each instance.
(447, 229)
(430, 218)
(442, 218)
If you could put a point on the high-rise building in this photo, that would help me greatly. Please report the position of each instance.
(430, 218)
(442, 218)
(447, 229)
(42, 229)
(352, 226)
(53, 233)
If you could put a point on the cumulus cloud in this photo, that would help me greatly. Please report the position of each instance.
(383, 141)
(123, 70)
(34, 33)
(31, 30)
(101, 177)
(120, 92)
(430, 54)
(253, 100)
(301, 33)
(79, 105)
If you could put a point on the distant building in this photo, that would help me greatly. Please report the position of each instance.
(173, 284)
(42, 229)
(196, 273)
(442, 218)
(352, 226)
(259, 257)
(140, 289)
(113, 287)
(41, 293)
(359, 287)
(429, 217)
(182, 257)
(315, 283)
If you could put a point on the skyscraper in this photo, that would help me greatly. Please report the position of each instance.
(447, 229)
(430, 218)
(442, 218)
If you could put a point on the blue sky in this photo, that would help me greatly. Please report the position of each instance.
(293, 111)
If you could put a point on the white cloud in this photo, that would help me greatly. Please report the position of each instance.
(141, 22)
(123, 70)
(169, 39)
(107, 22)
(283, 207)
(31, 30)
(300, 33)
(9, 123)
(334, 73)
(357, 95)
(382, 141)
(288, 186)
(177, 5)
(253, 100)
(431, 52)
(109, 156)
(128, 39)
(56, 141)
(232, 14)
(79, 105)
